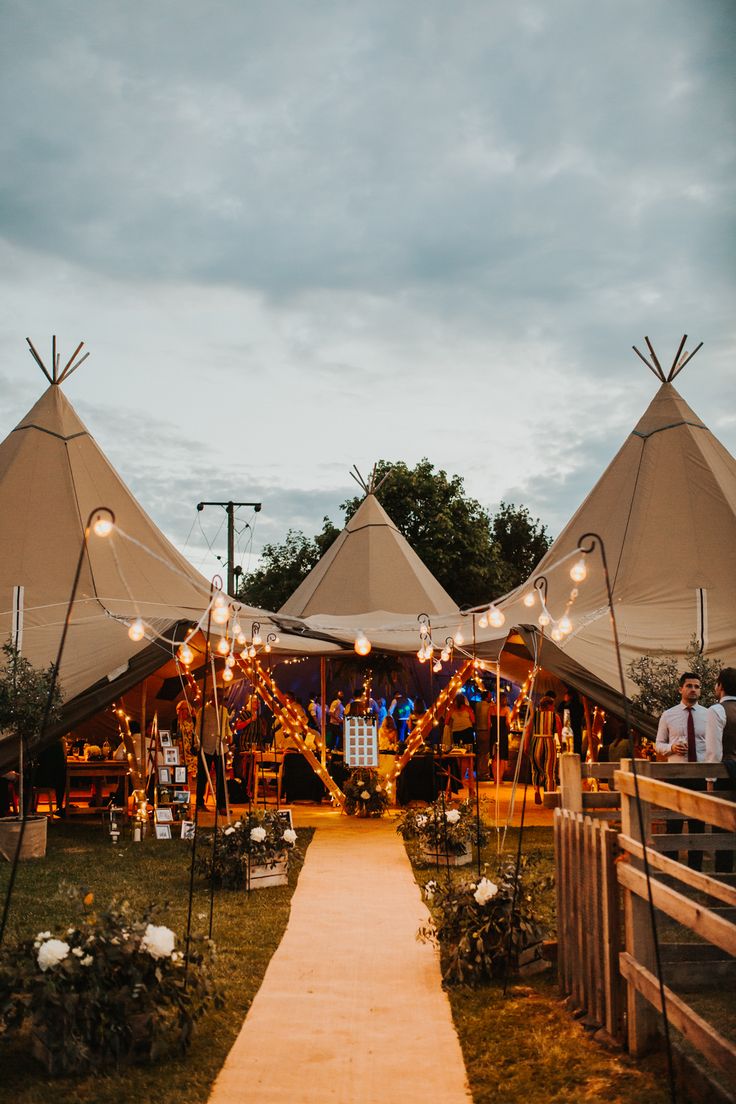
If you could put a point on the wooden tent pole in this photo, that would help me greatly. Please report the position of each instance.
(323, 708)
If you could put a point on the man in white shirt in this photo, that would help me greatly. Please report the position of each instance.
(336, 719)
(681, 739)
(720, 744)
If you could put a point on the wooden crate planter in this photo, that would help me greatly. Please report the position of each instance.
(431, 857)
(268, 874)
(54, 1057)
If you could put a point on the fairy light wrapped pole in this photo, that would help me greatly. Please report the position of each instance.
(294, 725)
(426, 723)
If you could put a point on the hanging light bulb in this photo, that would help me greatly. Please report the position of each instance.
(459, 638)
(276, 639)
(444, 655)
(186, 655)
(244, 653)
(103, 524)
(230, 660)
(437, 667)
(137, 630)
(421, 656)
(483, 621)
(496, 617)
(565, 625)
(237, 628)
(241, 638)
(220, 615)
(529, 599)
(362, 644)
(579, 570)
(557, 633)
(227, 675)
(267, 648)
(251, 652)
(256, 638)
(223, 646)
(544, 618)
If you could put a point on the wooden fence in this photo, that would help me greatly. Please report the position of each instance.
(605, 943)
(588, 920)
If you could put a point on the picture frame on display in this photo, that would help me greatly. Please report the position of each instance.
(171, 756)
(163, 831)
(164, 737)
(164, 815)
(180, 775)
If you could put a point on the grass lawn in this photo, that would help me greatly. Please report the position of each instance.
(247, 930)
(524, 1048)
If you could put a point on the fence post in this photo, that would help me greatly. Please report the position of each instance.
(641, 1015)
(611, 935)
(571, 786)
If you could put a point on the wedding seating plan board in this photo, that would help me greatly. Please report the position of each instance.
(361, 742)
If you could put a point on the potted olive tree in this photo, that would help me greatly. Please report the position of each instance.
(24, 697)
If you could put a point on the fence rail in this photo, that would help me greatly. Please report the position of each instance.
(606, 959)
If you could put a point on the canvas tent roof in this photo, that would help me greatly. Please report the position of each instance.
(371, 579)
(52, 475)
(666, 510)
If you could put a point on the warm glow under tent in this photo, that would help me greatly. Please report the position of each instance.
(666, 510)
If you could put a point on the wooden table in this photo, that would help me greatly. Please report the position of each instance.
(99, 771)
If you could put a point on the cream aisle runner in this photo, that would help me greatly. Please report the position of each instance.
(351, 1008)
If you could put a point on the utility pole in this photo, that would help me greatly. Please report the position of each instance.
(230, 508)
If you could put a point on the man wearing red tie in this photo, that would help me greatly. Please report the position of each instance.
(681, 739)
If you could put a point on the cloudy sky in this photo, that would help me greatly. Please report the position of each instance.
(300, 235)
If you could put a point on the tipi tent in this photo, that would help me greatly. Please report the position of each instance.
(52, 475)
(666, 510)
(371, 580)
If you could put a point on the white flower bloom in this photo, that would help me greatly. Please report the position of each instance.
(158, 941)
(229, 830)
(43, 935)
(70, 931)
(258, 834)
(378, 789)
(77, 952)
(429, 890)
(86, 961)
(290, 835)
(421, 821)
(52, 952)
(453, 816)
(486, 891)
(238, 824)
(365, 795)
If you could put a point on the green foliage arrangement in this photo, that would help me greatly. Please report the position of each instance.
(473, 554)
(443, 827)
(24, 691)
(657, 678)
(261, 838)
(365, 793)
(480, 928)
(111, 989)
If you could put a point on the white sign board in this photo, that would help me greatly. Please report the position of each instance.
(361, 742)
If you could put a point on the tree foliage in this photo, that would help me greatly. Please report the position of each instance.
(473, 555)
(658, 678)
(24, 691)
